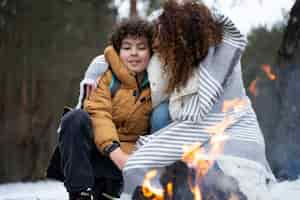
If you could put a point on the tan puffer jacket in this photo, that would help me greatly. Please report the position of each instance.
(123, 117)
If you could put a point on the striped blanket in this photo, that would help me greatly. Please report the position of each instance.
(200, 106)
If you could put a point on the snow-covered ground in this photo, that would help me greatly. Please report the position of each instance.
(41, 190)
(286, 190)
(52, 190)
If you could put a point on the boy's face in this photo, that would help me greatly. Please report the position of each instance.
(135, 53)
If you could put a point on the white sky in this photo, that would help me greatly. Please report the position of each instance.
(246, 14)
(251, 13)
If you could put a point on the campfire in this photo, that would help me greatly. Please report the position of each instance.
(252, 87)
(269, 72)
(176, 181)
(197, 176)
(267, 69)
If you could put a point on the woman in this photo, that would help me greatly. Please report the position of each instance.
(95, 142)
(200, 53)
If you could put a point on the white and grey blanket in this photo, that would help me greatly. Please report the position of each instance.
(198, 107)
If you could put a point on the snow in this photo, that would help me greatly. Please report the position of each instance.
(286, 190)
(40, 190)
(53, 190)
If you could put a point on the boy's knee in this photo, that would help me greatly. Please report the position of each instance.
(75, 116)
(75, 122)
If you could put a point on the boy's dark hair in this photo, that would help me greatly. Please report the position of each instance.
(135, 27)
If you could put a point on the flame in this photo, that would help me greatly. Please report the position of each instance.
(235, 104)
(195, 155)
(269, 72)
(197, 193)
(170, 190)
(191, 153)
(150, 191)
(252, 87)
(219, 128)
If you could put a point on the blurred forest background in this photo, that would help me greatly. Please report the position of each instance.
(45, 47)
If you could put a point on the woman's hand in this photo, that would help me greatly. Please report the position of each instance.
(119, 158)
(88, 89)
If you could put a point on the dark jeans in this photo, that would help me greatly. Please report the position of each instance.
(77, 161)
(82, 164)
(160, 117)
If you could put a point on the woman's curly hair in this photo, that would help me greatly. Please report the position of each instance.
(184, 34)
(133, 27)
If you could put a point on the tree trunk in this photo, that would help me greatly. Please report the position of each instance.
(45, 46)
(133, 8)
(291, 38)
(278, 106)
(286, 157)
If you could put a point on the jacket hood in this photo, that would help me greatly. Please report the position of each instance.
(117, 66)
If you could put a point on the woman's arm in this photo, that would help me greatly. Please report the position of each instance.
(231, 34)
(95, 70)
(215, 70)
